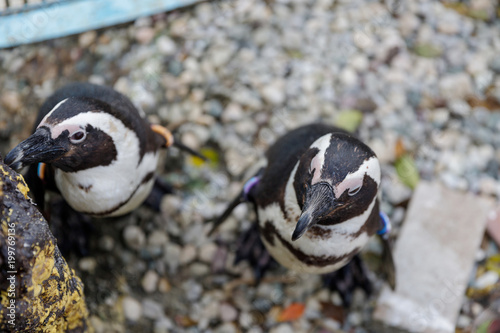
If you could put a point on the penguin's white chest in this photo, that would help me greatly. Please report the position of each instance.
(320, 250)
(111, 190)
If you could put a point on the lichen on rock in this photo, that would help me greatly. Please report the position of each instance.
(38, 290)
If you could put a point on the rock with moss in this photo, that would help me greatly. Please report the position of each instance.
(38, 291)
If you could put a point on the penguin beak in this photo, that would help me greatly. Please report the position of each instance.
(320, 201)
(39, 147)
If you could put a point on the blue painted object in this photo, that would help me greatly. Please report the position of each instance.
(61, 18)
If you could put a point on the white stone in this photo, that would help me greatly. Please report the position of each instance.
(274, 92)
(152, 309)
(150, 281)
(166, 45)
(453, 86)
(87, 264)
(188, 254)
(446, 227)
(134, 237)
(207, 252)
(132, 309)
(228, 313)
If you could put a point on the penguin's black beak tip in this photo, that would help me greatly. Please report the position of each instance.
(39, 147)
(14, 159)
(303, 224)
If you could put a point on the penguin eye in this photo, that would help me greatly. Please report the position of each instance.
(78, 136)
(354, 190)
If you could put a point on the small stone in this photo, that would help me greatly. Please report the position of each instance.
(453, 86)
(150, 281)
(134, 237)
(348, 77)
(193, 290)
(408, 23)
(163, 325)
(164, 286)
(152, 309)
(166, 45)
(171, 257)
(274, 92)
(11, 100)
(228, 312)
(207, 252)
(486, 280)
(132, 309)
(144, 35)
(246, 320)
(460, 107)
(199, 269)
(232, 112)
(106, 243)
(87, 38)
(97, 324)
(355, 318)
(463, 321)
(282, 328)
(187, 255)
(157, 238)
(87, 264)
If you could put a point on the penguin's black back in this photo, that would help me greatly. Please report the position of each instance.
(282, 157)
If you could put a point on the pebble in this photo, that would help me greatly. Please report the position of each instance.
(187, 255)
(164, 286)
(282, 328)
(150, 281)
(207, 252)
(134, 237)
(274, 92)
(11, 100)
(166, 45)
(87, 264)
(132, 309)
(87, 38)
(144, 35)
(152, 309)
(453, 86)
(228, 312)
(163, 325)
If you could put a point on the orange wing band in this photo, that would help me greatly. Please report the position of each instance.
(164, 132)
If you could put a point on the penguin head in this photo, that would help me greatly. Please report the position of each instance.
(337, 179)
(76, 134)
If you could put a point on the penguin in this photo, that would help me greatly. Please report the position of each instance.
(92, 145)
(316, 200)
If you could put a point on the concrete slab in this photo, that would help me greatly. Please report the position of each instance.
(434, 255)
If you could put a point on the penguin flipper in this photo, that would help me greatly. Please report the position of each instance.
(236, 201)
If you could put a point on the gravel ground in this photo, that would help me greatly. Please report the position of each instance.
(419, 81)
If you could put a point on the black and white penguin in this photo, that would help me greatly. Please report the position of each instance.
(93, 146)
(316, 199)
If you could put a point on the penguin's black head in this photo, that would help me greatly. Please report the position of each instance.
(336, 180)
(72, 137)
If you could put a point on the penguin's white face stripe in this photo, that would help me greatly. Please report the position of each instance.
(317, 162)
(99, 189)
(44, 120)
(353, 180)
